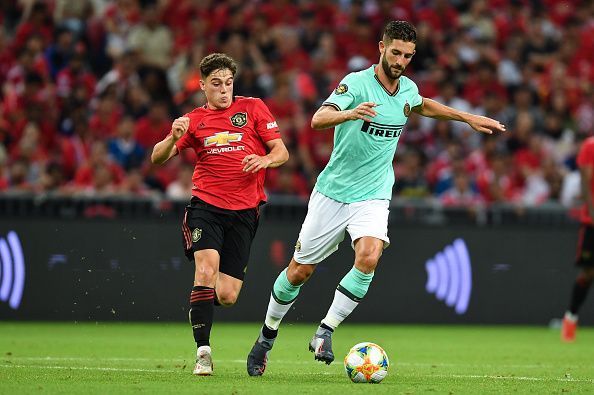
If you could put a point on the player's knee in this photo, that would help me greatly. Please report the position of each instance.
(298, 274)
(205, 274)
(367, 259)
(227, 298)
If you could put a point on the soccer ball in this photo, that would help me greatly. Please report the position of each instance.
(366, 363)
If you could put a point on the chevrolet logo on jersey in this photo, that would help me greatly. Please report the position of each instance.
(382, 130)
(222, 138)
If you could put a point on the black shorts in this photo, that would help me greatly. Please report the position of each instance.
(585, 247)
(230, 232)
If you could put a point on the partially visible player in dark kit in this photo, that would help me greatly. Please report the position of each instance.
(585, 250)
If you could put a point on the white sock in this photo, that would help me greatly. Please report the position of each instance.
(275, 313)
(571, 317)
(342, 306)
(203, 348)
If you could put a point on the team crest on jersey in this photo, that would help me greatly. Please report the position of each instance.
(340, 89)
(196, 234)
(406, 109)
(298, 246)
(239, 119)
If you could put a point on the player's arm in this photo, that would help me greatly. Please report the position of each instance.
(166, 148)
(586, 181)
(431, 108)
(277, 156)
(329, 116)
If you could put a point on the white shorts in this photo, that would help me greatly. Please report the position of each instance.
(326, 220)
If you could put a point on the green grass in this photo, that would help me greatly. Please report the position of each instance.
(158, 358)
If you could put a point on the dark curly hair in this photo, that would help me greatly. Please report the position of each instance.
(400, 30)
(217, 61)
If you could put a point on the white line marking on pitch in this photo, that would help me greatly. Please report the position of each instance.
(168, 371)
(521, 378)
(88, 368)
(161, 360)
(462, 376)
(182, 359)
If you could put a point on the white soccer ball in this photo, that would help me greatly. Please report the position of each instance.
(366, 363)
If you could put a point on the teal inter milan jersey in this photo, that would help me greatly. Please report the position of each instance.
(360, 167)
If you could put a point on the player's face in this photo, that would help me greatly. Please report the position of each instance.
(395, 55)
(218, 88)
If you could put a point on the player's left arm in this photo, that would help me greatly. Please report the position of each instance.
(277, 156)
(431, 108)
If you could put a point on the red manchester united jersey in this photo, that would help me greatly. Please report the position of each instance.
(221, 139)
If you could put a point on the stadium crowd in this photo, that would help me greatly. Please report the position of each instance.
(89, 86)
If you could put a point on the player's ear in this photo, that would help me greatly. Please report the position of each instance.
(382, 47)
(202, 85)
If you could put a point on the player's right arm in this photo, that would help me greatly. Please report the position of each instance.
(166, 148)
(341, 106)
(329, 116)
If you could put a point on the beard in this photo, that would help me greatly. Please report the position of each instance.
(391, 72)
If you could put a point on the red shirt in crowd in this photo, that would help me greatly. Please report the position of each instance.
(148, 132)
(222, 139)
(585, 158)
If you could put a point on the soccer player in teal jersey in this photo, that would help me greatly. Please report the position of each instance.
(369, 109)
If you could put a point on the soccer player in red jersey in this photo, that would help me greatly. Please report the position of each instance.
(585, 250)
(235, 139)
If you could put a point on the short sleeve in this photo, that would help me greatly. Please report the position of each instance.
(585, 157)
(264, 122)
(344, 95)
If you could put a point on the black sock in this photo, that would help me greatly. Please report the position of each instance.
(201, 313)
(579, 293)
(269, 333)
(326, 327)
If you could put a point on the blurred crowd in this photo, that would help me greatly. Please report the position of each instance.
(89, 86)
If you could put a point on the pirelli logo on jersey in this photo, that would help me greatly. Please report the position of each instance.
(382, 130)
(223, 140)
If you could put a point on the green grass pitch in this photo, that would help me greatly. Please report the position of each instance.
(158, 358)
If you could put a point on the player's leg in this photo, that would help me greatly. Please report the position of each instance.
(321, 232)
(354, 285)
(202, 234)
(202, 306)
(579, 292)
(285, 291)
(350, 291)
(368, 230)
(582, 284)
(240, 229)
(283, 295)
(227, 289)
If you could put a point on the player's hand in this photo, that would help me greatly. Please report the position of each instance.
(254, 163)
(363, 111)
(485, 124)
(179, 127)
